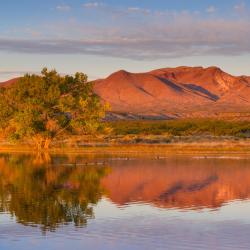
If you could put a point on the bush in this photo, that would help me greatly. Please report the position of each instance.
(186, 127)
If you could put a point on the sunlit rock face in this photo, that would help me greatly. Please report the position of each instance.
(180, 184)
(173, 93)
(9, 82)
(176, 92)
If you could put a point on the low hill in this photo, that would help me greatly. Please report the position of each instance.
(9, 82)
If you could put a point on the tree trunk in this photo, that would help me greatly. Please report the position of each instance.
(42, 143)
(38, 142)
(47, 143)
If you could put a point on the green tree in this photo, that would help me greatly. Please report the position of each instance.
(42, 107)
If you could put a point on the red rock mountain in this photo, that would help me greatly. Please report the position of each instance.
(8, 83)
(174, 92)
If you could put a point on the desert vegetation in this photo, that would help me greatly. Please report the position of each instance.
(183, 127)
(50, 109)
(41, 108)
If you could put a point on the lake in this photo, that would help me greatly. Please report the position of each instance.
(124, 202)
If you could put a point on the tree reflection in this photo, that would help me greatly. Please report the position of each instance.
(48, 195)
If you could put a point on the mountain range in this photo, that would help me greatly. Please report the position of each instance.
(174, 93)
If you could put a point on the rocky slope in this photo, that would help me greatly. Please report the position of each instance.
(176, 92)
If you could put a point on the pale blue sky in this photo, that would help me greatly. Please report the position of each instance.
(100, 37)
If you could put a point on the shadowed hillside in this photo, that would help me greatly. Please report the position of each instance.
(176, 92)
(173, 93)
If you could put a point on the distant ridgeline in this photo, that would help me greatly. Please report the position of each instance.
(172, 93)
(176, 93)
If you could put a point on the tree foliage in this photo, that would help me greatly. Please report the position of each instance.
(43, 107)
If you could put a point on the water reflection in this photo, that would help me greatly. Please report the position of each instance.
(52, 191)
(184, 183)
(38, 192)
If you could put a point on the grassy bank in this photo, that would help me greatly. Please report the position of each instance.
(213, 148)
(188, 127)
(178, 136)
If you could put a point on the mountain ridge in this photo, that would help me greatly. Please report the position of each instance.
(173, 93)
(176, 92)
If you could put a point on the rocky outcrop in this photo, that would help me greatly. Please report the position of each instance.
(176, 92)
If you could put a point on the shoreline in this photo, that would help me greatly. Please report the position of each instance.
(180, 148)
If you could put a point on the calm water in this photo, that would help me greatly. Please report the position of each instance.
(107, 202)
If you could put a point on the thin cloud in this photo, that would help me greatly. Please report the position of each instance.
(63, 7)
(6, 75)
(134, 9)
(211, 9)
(162, 34)
(240, 7)
(132, 49)
(138, 10)
(93, 5)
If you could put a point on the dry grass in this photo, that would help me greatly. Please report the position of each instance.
(212, 148)
(157, 137)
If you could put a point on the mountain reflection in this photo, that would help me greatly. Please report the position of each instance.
(183, 183)
(46, 194)
(49, 191)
